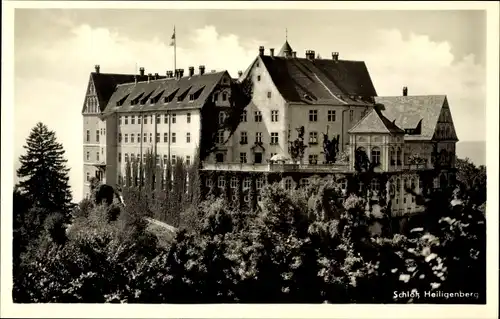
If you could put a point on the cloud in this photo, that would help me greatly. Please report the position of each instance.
(51, 75)
(428, 67)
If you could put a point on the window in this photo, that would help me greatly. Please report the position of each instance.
(258, 116)
(313, 159)
(234, 182)
(188, 117)
(173, 159)
(224, 96)
(165, 137)
(243, 116)
(158, 118)
(258, 137)
(313, 115)
(139, 117)
(288, 184)
(88, 136)
(126, 158)
(145, 119)
(174, 118)
(247, 182)
(119, 120)
(222, 117)
(220, 137)
(331, 116)
(132, 158)
(268, 94)
(375, 185)
(208, 182)
(157, 137)
(157, 158)
(145, 137)
(150, 137)
(259, 183)
(104, 131)
(258, 77)
(221, 182)
(243, 138)
(132, 119)
(219, 157)
(274, 116)
(97, 136)
(398, 156)
(119, 137)
(119, 157)
(174, 139)
(88, 176)
(188, 160)
(165, 160)
(274, 138)
(392, 155)
(132, 138)
(165, 119)
(351, 115)
(343, 184)
(88, 156)
(188, 137)
(126, 138)
(126, 120)
(216, 97)
(313, 137)
(191, 97)
(376, 155)
(243, 157)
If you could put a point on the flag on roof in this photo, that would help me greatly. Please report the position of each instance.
(172, 43)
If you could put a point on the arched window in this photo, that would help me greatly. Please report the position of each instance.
(221, 182)
(376, 155)
(234, 182)
(392, 154)
(222, 117)
(375, 185)
(288, 184)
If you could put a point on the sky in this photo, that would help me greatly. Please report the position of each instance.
(430, 52)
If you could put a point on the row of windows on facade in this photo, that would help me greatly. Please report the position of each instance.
(173, 119)
(133, 139)
(133, 158)
(98, 133)
(397, 156)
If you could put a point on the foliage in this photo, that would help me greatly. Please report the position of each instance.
(43, 173)
(472, 180)
(297, 147)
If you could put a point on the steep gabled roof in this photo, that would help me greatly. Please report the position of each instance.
(321, 81)
(157, 90)
(375, 122)
(105, 84)
(408, 111)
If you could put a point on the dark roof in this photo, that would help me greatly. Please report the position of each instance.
(286, 48)
(375, 122)
(408, 111)
(200, 85)
(321, 81)
(105, 84)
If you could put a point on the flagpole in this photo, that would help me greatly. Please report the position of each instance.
(175, 49)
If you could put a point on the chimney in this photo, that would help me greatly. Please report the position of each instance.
(240, 73)
(261, 50)
(271, 51)
(310, 54)
(156, 76)
(335, 56)
(97, 68)
(181, 73)
(141, 71)
(294, 54)
(191, 70)
(405, 91)
(202, 69)
(149, 77)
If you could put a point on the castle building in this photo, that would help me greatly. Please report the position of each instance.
(308, 116)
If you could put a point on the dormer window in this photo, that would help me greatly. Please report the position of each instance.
(167, 99)
(191, 97)
(122, 100)
(180, 98)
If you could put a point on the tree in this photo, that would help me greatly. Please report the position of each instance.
(43, 172)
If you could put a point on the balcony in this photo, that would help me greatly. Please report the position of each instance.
(276, 167)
